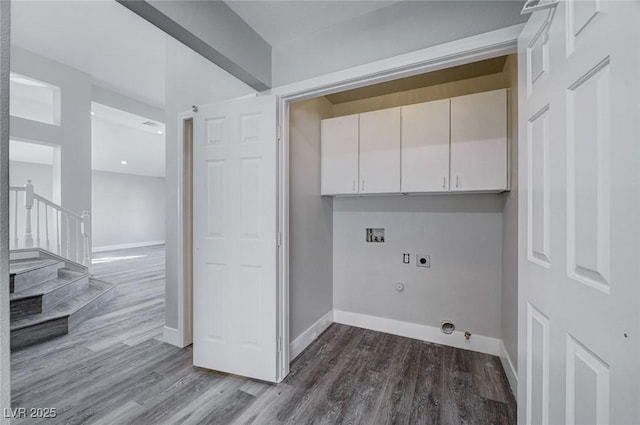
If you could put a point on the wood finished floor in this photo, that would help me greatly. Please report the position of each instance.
(114, 369)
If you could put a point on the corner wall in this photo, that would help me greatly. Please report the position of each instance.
(5, 362)
(73, 135)
(310, 220)
(510, 229)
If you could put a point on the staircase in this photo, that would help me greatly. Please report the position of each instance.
(50, 297)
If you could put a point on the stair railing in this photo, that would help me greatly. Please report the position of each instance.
(56, 229)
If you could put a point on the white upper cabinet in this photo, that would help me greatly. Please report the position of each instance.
(425, 147)
(339, 145)
(449, 145)
(380, 151)
(479, 142)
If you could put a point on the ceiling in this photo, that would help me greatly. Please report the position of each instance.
(120, 50)
(121, 136)
(462, 72)
(280, 21)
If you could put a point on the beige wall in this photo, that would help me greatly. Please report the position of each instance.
(425, 94)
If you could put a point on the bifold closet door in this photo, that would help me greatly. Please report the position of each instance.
(380, 151)
(425, 147)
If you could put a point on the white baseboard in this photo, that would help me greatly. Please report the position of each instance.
(298, 345)
(172, 336)
(512, 374)
(482, 344)
(125, 246)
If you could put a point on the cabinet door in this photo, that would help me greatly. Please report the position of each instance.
(425, 147)
(380, 151)
(479, 142)
(339, 156)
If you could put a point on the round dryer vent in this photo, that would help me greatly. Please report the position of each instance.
(447, 327)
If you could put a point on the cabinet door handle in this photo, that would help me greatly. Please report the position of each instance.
(457, 181)
(362, 185)
(444, 182)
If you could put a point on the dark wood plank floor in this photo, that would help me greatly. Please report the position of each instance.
(114, 369)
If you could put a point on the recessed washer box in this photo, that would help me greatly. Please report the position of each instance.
(375, 235)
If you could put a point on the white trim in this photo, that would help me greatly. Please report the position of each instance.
(299, 344)
(483, 46)
(172, 336)
(479, 343)
(491, 44)
(512, 374)
(126, 246)
(185, 304)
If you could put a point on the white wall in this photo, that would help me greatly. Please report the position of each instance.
(5, 359)
(510, 227)
(128, 210)
(403, 27)
(310, 220)
(461, 233)
(191, 80)
(74, 133)
(41, 176)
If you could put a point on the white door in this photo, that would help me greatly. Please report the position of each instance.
(380, 151)
(235, 237)
(425, 147)
(479, 142)
(339, 156)
(579, 215)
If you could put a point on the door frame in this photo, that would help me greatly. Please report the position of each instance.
(184, 335)
(488, 45)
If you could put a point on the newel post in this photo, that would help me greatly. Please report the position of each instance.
(84, 227)
(28, 205)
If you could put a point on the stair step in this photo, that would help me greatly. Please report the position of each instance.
(25, 274)
(63, 317)
(42, 298)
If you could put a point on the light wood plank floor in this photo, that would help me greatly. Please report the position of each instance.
(114, 369)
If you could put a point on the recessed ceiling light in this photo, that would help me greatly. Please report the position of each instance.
(159, 131)
(123, 162)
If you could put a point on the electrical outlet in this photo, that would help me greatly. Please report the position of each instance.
(406, 258)
(423, 260)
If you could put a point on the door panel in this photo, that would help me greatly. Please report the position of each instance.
(425, 147)
(380, 151)
(339, 145)
(579, 209)
(235, 238)
(479, 141)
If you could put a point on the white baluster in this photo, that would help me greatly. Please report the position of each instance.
(85, 226)
(67, 241)
(58, 232)
(38, 223)
(28, 204)
(15, 222)
(46, 224)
